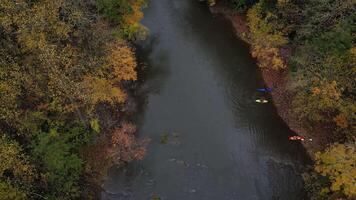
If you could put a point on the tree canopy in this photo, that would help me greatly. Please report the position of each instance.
(59, 62)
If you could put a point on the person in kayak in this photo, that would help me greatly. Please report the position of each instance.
(264, 89)
(261, 101)
(296, 137)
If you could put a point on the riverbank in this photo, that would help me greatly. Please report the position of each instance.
(282, 96)
(120, 144)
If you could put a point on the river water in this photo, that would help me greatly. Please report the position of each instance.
(209, 139)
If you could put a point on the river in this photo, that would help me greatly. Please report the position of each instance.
(209, 139)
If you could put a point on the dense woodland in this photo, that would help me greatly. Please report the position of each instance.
(314, 40)
(64, 65)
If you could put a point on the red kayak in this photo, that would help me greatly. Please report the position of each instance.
(296, 137)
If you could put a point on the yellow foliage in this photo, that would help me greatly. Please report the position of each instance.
(136, 14)
(35, 31)
(7, 191)
(338, 164)
(211, 2)
(327, 92)
(330, 91)
(122, 62)
(133, 29)
(268, 57)
(8, 95)
(254, 18)
(353, 56)
(323, 103)
(14, 161)
(265, 39)
(101, 90)
(324, 191)
(262, 32)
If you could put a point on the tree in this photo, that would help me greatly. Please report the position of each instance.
(16, 173)
(7, 191)
(102, 90)
(117, 148)
(241, 5)
(266, 40)
(324, 73)
(57, 152)
(124, 148)
(121, 62)
(126, 14)
(337, 163)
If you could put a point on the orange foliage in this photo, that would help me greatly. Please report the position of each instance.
(341, 121)
(327, 91)
(122, 62)
(316, 91)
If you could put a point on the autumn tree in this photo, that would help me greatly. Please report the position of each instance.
(123, 147)
(336, 166)
(266, 39)
(126, 14)
(16, 173)
(117, 148)
(121, 63)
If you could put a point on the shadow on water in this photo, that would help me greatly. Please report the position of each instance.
(152, 78)
(201, 83)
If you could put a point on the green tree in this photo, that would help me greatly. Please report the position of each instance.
(57, 152)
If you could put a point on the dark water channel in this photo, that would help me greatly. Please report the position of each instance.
(220, 144)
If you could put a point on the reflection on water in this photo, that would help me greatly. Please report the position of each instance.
(221, 145)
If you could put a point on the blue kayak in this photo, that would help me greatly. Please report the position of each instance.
(264, 89)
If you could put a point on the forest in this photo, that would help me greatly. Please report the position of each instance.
(65, 67)
(314, 41)
(68, 68)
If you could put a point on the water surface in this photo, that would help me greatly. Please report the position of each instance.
(221, 145)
